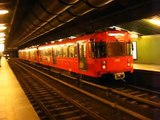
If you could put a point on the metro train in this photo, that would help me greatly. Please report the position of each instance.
(94, 55)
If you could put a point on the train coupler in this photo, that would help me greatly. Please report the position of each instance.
(119, 76)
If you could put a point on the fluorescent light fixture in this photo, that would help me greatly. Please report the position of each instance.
(2, 38)
(72, 37)
(3, 12)
(2, 34)
(1, 47)
(115, 34)
(155, 21)
(1, 42)
(116, 27)
(3, 27)
(134, 35)
(60, 40)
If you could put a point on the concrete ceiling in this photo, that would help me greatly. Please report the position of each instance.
(36, 21)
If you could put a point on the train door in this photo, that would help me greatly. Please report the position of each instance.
(82, 64)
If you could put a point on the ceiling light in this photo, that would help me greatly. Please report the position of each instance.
(115, 34)
(155, 21)
(116, 27)
(134, 34)
(3, 12)
(1, 42)
(72, 37)
(2, 38)
(2, 34)
(3, 27)
(1, 47)
(2, 24)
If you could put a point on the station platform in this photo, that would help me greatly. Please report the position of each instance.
(14, 104)
(147, 67)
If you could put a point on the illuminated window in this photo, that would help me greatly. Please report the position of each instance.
(65, 51)
(71, 51)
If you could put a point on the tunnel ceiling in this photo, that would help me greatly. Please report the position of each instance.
(35, 21)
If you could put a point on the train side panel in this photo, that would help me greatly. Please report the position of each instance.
(45, 55)
(93, 55)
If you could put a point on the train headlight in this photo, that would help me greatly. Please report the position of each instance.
(104, 62)
(103, 66)
(128, 63)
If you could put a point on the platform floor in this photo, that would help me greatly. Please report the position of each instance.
(147, 67)
(14, 104)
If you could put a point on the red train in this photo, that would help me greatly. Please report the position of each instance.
(95, 55)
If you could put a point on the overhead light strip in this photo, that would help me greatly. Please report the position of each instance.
(2, 34)
(3, 27)
(154, 20)
(2, 12)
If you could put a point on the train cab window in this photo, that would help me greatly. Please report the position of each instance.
(100, 49)
(114, 49)
(118, 49)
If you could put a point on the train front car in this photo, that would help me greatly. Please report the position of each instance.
(113, 53)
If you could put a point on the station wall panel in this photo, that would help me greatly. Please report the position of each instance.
(148, 49)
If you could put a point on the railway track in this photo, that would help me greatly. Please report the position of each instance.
(49, 103)
(138, 103)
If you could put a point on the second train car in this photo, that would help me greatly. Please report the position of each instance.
(94, 55)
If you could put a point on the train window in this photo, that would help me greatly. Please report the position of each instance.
(100, 49)
(91, 52)
(59, 51)
(75, 50)
(82, 50)
(116, 48)
(33, 54)
(40, 54)
(47, 52)
(65, 51)
(71, 50)
(27, 55)
(129, 49)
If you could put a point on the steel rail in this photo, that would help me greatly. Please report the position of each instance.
(90, 113)
(112, 104)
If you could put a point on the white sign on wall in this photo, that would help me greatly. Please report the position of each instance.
(134, 50)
